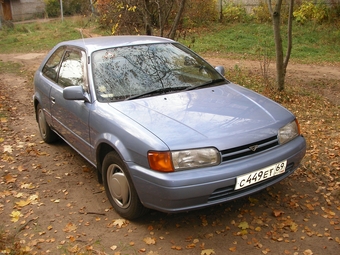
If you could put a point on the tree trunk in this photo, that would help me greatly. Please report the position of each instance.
(172, 32)
(280, 70)
(281, 63)
(147, 18)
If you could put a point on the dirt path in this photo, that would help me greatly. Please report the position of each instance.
(50, 199)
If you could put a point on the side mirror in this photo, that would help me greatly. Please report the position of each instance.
(74, 93)
(220, 69)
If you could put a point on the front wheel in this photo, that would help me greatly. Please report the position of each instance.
(119, 188)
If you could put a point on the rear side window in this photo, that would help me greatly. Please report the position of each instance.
(50, 69)
(72, 69)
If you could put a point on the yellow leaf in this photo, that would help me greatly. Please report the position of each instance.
(308, 252)
(27, 186)
(74, 249)
(294, 227)
(253, 200)
(113, 247)
(8, 148)
(15, 216)
(119, 223)
(243, 225)
(23, 203)
(149, 240)
(207, 252)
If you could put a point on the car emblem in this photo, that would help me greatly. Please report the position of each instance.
(253, 148)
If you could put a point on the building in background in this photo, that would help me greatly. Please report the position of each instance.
(17, 10)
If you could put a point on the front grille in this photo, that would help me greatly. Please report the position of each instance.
(244, 150)
(225, 192)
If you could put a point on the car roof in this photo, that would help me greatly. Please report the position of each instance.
(104, 42)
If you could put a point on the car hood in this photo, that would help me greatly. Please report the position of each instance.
(223, 116)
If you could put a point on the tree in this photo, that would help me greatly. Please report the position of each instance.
(129, 16)
(281, 61)
(177, 19)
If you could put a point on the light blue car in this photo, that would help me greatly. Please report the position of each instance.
(164, 129)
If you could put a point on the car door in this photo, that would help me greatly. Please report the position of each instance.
(71, 117)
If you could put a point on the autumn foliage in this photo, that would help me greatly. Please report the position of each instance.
(152, 17)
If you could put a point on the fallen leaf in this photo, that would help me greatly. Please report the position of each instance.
(207, 252)
(15, 215)
(27, 186)
(310, 207)
(308, 252)
(23, 203)
(149, 240)
(243, 225)
(74, 249)
(22, 168)
(277, 213)
(294, 227)
(190, 246)
(9, 178)
(8, 148)
(253, 200)
(69, 227)
(119, 223)
(232, 249)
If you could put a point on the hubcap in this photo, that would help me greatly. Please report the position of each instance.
(42, 123)
(118, 186)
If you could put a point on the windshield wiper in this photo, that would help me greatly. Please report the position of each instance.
(159, 91)
(207, 84)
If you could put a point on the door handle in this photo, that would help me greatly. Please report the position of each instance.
(53, 100)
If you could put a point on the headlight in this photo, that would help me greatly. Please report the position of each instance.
(289, 132)
(195, 158)
(186, 159)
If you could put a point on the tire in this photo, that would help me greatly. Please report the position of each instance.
(46, 133)
(119, 188)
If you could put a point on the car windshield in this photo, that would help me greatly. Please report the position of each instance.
(146, 70)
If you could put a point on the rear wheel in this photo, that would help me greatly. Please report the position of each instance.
(46, 132)
(119, 188)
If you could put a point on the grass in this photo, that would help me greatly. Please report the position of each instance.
(39, 36)
(311, 43)
(10, 67)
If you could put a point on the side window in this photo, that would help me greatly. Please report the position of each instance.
(72, 70)
(50, 69)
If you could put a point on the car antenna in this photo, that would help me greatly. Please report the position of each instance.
(81, 33)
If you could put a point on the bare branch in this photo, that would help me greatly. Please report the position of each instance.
(289, 32)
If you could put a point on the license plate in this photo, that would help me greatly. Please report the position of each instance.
(260, 175)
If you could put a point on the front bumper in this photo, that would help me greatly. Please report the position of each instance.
(198, 188)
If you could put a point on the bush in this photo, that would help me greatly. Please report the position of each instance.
(261, 13)
(198, 13)
(308, 11)
(234, 13)
(70, 7)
